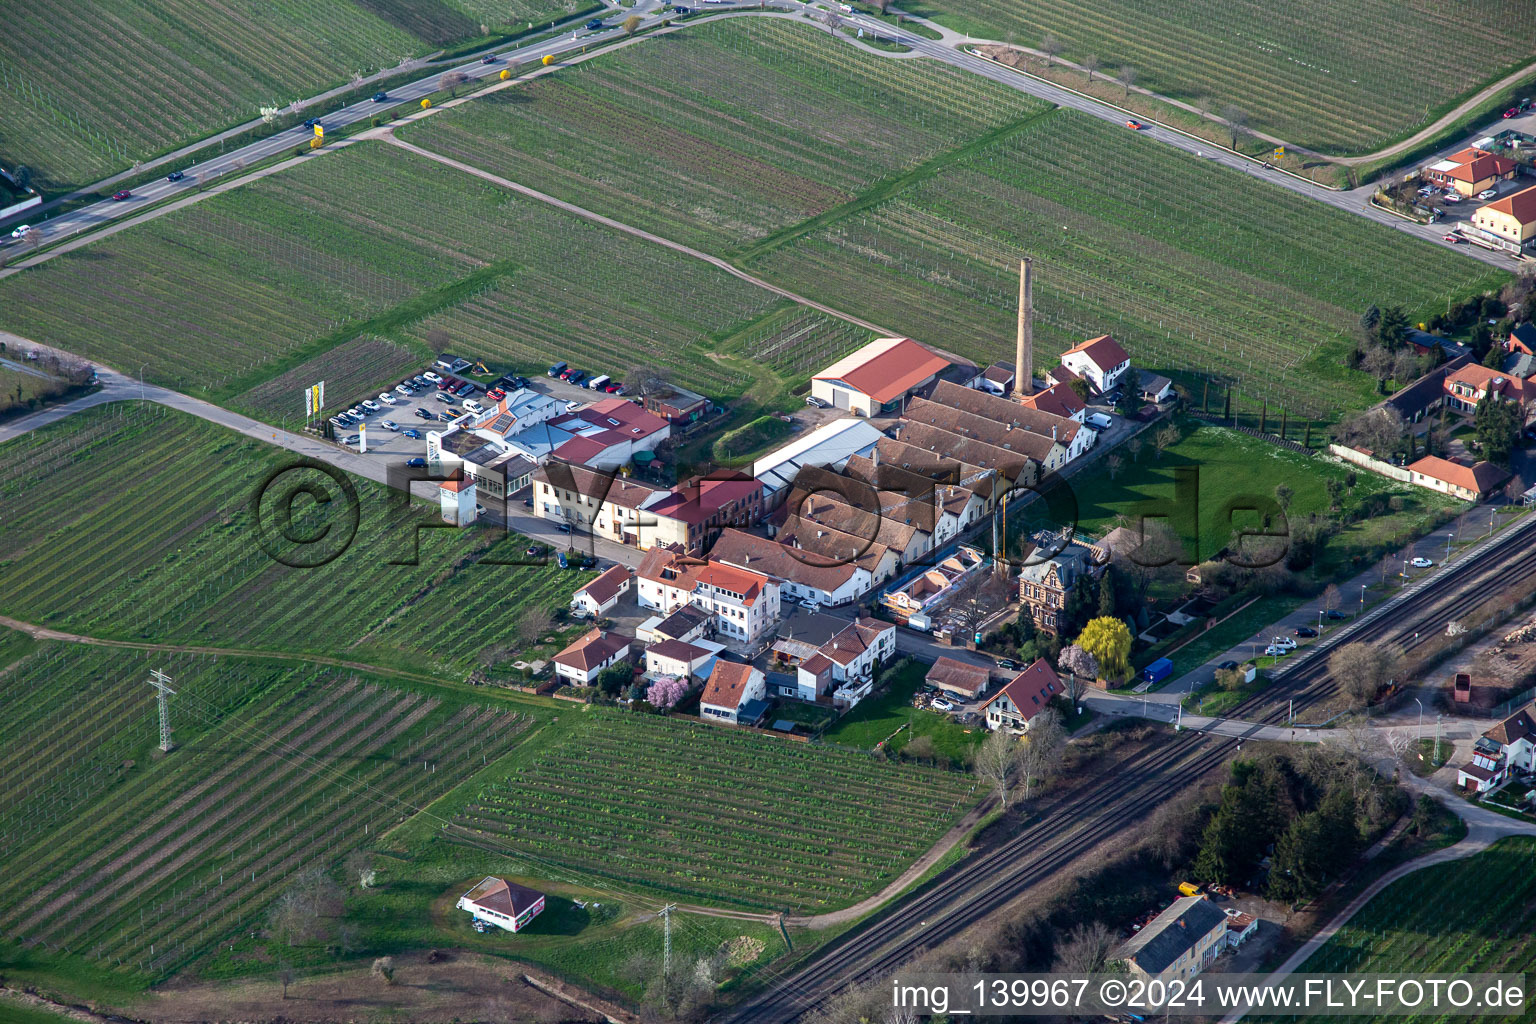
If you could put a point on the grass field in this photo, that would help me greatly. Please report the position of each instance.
(1196, 269)
(883, 718)
(142, 862)
(91, 87)
(646, 135)
(812, 831)
(1418, 925)
(1319, 73)
(132, 522)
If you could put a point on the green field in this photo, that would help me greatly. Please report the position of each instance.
(1198, 270)
(140, 862)
(1339, 77)
(648, 136)
(1418, 925)
(811, 831)
(891, 718)
(134, 523)
(92, 87)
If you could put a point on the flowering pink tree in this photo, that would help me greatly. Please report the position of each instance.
(1081, 667)
(666, 691)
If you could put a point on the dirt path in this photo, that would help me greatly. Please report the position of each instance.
(1429, 131)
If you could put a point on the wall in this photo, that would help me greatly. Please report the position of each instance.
(1386, 469)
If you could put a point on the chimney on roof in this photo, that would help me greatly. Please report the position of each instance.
(874, 456)
(1024, 352)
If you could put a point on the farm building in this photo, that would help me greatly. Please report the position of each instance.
(506, 905)
(676, 405)
(878, 378)
(580, 663)
(602, 594)
(829, 446)
(736, 694)
(1471, 171)
(962, 678)
(1100, 361)
(1022, 697)
(1469, 483)
(996, 379)
(640, 515)
(1178, 943)
(1155, 388)
(802, 575)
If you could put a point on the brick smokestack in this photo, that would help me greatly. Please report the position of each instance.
(1024, 355)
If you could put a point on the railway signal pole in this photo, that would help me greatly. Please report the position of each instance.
(161, 682)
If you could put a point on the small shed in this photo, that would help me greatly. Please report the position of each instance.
(506, 905)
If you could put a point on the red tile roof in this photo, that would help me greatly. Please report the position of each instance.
(1031, 690)
(503, 896)
(1520, 726)
(854, 639)
(608, 585)
(963, 676)
(1104, 351)
(1481, 478)
(1519, 205)
(1477, 165)
(455, 486)
(727, 684)
(1058, 400)
(816, 664)
(698, 503)
(1484, 378)
(886, 371)
(806, 568)
(591, 650)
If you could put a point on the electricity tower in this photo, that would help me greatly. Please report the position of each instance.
(161, 682)
(666, 942)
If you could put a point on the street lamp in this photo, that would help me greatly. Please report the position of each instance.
(1362, 601)
(1448, 546)
(1421, 718)
(141, 382)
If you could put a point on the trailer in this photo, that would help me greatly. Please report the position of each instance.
(1159, 670)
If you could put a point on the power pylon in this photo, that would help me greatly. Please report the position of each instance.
(161, 682)
(666, 942)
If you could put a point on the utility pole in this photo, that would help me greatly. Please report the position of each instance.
(161, 682)
(666, 942)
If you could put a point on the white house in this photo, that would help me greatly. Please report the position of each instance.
(744, 604)
(581, 662)
(802, 575)
(506, 905)
(1022, 697)
(851, 656)
(457, 500)
(685, 659)
(1178, 943)
(1101, 361)
(1510, 744)
(735, 694)
(876, 379)
(602, 594)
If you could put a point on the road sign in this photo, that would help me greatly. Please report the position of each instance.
(319, 131)
(1279, 153)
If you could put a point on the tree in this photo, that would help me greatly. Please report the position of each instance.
(921, 749)
(1331, 598)
(1361, 670)
(1086, 948)
(1130, 391)
(1495, 357)
(665, 692)
(295, 916)
(533, 623)
(631, 24)
(1370, 318)
(1159, 549)
(1112, 466)
(1316, 844)
(1335, 488)
(1283, 496)
(1108, 641)
(1081, 668)
(1392, 328)
(613, 680)
(1127, 78)
(1229, 679)
(1090, 65)
(997, 761)
(832, 20)
(1081, 388)
(285, 974)
(1165, 438)
(977, 597)
(358, 865)
(1134, 447)
(1040, 754)
(1251, 814)
(1050, 46)
(1497, 426)
(1237, 121)
(1108, 587)
(451, 80)
(645, 379)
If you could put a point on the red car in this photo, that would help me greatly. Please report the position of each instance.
(496, 393)
(613, 389)
(1512, 112)
(120, 196)
(1137, 125)
(1454, 239)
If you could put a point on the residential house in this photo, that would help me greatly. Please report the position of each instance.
(1100, 361)
(1509, 223)
(736, 694)
(581, 662)
(964, 679)
(850, 658)
(1019, 700)
(744, 604)
(457, 501)
(1426, 395)
(628, 511)
(1471, 171)
(680, 658)
(1047, 579)
(1058, 400)
(1510, 744)
(1469, 483)
(602, 594)
(689, 623)
(1179, 943)
(504, 904)
(829, 446)
(608, 433)
(876, 379)
(803, 576)
(678, 406)
(1469, 383)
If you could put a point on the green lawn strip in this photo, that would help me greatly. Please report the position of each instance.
(1221, 638)
(917, 28)
(890, 718)
(16, 1013)
(1425, 760)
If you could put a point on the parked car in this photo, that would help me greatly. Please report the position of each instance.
(380, 97)
(577, 377)
(1282, 641)
(1511, 112)
(1227, 666)
(1487, 193)
(1305, 632)
(120, 196)
(557, 369)
(337, 421)
(815, 403)
(434, 378)
(1422, 563)
(390, 425)
(479, 509)
(809, 604)
(424, 414)
(412, 433)
(464, 390)
(175, 176)
(614, 389)
(1007, 664)
(352, 439)
(1334, 615)
(563, 527)
(371, 405)
(534, 550)
(940, 704)
(1100, 421)
(1276, 651)
(443, 396)
(356, 413)
(416, 462)
(421, 380)
(472, 405)
(495, 394)
(1450, 198)
(387, 398)
(403, 389)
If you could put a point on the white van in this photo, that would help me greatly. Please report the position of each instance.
(472, 405)
(1100, 421)
(599, 382)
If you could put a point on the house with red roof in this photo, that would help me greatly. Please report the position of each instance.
(580, 663)
(602, 594)
(845, 665)
(628, 511)
(1469, 483)
(736, 694)
(1023, 697)
(1471, 382)
(1058, 400)
(1471, 171)
(506, 905)
(1100, 361)
(964, 679)
(1509, 744)
(606, 434)
(878, 378)
(743, 604)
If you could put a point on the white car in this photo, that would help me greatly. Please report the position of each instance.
(434, 378)
(1276, 651)
(1422, 563)
(1450, 198)
(387, 398)
(1487, 193)
(1282, 641)
(21, 232)
(940, 704)
(401, 389)
(809, 605)
(371, 405)
(390, 425)
(356, 413)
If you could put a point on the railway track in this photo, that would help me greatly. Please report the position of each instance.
(975, 888)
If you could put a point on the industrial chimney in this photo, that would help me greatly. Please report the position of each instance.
(1024, 356)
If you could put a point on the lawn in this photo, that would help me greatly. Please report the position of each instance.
(1424, 924)
(1333, 76)
(1201, 272)
(135, 863)
(702, 813)
(134, 522)
(647, 136)
(877, 719)
(92, 87)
